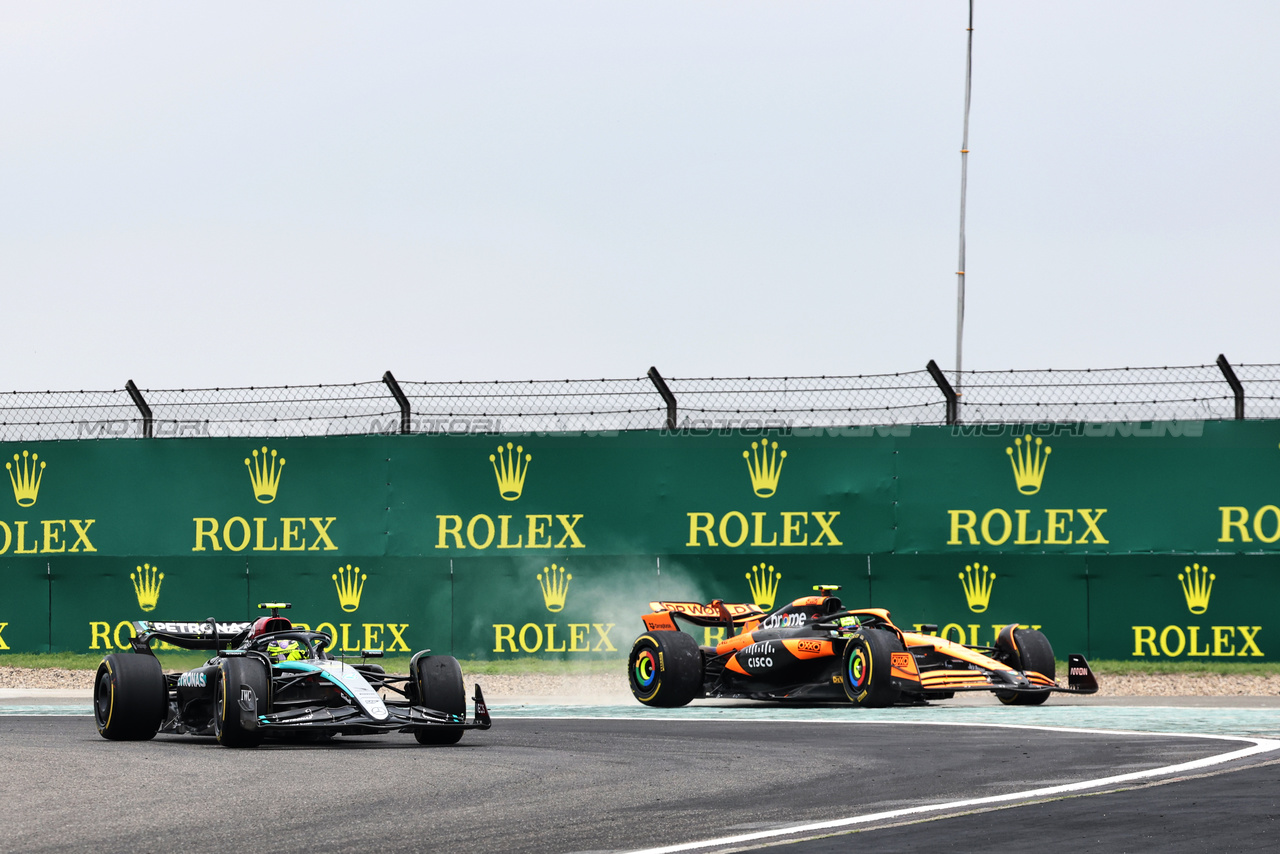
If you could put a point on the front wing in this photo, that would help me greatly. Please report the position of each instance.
(353, 720)
(1080, 678)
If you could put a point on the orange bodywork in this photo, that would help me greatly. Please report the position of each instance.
(1039, 679)
(902, 665)
(696, 611)
(662, 621)
(953, 649)
(734, 643)
(809, 648)
(952, 679)
(779, 664)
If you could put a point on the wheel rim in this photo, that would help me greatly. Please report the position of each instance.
(219, 706)
(859, 668)
(645, 670)
(102, 701)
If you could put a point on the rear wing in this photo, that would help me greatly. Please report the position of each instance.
(207, 634)
(717, 613)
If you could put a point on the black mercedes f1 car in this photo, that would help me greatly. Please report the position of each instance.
(267, 679)
(814, 649)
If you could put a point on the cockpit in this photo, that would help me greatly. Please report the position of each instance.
(291, 645)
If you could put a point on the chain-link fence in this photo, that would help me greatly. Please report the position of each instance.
(699, 404)
(1195, 392)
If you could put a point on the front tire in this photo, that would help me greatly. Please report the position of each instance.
(867, 662)
(438, 683)
(1026, 649)
(130, 697)
(665, 669)
(232, 673)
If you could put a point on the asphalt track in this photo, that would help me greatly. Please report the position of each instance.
(613, 784)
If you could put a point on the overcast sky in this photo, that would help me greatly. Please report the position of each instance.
(205, 194)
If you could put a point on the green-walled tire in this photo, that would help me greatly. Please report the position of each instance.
(665, 669)
(867, 661)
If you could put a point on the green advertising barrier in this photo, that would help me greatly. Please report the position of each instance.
(1184, 607)
(1090, 488)
(450, 532)
(572, 607)
(212, 498)
(970, 600)
(399, 605)
(648, 493)
(1193, 487)
(95, 599)
(24, 605)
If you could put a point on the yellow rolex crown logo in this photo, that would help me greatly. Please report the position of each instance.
(555, 586)
(1028, 464)
(264, 474)
(977, 581)
(510, 469)
(25, 476)
(350, 583)
(764, 585)
(146, 585)
(764, 462)
(1197, 584)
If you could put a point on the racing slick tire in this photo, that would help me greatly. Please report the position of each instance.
(232, 673)
(1026, 649)
(665, 669)
(130, 697)
(437, 681)
(867, 662)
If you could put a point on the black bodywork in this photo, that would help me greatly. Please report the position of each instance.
(242, 694)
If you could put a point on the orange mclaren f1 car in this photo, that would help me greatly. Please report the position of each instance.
(814, 649)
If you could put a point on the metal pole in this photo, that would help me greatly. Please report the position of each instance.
(1237, 388)
(953, 409)
(400, 399)
(140, 402)
(964, 183)
(661, 385)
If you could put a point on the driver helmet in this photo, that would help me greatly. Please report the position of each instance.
(285, 650)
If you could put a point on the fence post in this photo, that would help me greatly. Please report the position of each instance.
(953, 404)
(141, 403)
(1237, 387)
(399, 395)
(661, 385)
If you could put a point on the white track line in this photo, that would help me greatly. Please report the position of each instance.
(1257, 746)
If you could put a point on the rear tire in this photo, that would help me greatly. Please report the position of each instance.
(438, 684)
(232, 673)
(130, 697)
(1026, 649)
(665, 669)
(867, 662)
